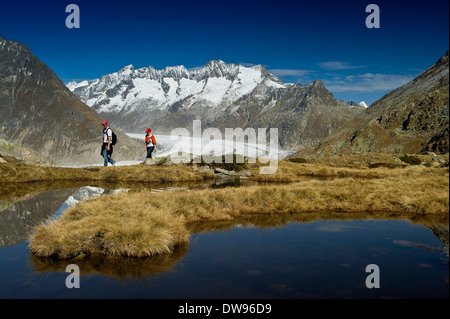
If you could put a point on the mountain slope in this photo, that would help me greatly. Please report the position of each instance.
(221, 95)
(411, 119)
(38, 111)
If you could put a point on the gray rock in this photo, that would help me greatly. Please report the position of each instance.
(153, 161)
(177, 158)
(205, 169)
(245, 174)
(224, 171)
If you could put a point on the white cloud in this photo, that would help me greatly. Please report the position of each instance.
(289, 72)
(368, 82)
(249, 65)
(338, 65)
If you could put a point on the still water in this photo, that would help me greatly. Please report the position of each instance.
(292, 258)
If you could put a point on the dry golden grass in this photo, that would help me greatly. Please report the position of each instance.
(292, 172)
(142, 224)
(21, 173)
(116, 229)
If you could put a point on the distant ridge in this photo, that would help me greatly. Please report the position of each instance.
(413, 118)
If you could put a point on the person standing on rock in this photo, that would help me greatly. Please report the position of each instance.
(107, 148)
(150, 143)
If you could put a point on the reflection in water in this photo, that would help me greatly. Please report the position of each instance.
(125, 267)
(440, 231)
(435, 224)
(23, 213)
(121, 268)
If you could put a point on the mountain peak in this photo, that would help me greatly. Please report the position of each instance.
(443, 59)
(16, 58)
(318, 83)
(217, 69)
(413, 118)
(127, 68)
(363, 104)
(216, 62)
(317, 86)
(176, 71)
(39, 112)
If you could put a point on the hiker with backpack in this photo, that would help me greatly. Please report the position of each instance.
(150, 143)
(107, 144)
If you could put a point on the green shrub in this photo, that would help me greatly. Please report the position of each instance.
(236, 166)
(411, 160)
(387, 165)
(297, 160)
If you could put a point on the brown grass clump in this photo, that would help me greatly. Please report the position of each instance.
(112, 226)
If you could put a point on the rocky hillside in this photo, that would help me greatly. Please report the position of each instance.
(221, 95)
(17, 154)
(413, 118)
(38, 111)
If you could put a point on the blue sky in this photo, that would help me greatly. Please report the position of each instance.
(299, 41)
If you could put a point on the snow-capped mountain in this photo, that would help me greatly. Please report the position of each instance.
(219, 94)
(214, 84)
(363, 104)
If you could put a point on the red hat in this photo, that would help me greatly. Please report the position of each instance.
(104, 122)
(148, 130)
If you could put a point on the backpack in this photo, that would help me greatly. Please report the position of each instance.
(149, 139)
(113, 138)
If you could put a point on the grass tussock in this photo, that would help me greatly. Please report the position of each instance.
(110, 227)
(141, 224)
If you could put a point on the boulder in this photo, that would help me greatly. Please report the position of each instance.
(245, 174)
(154, 161)
(224, 171)
(205, 169)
